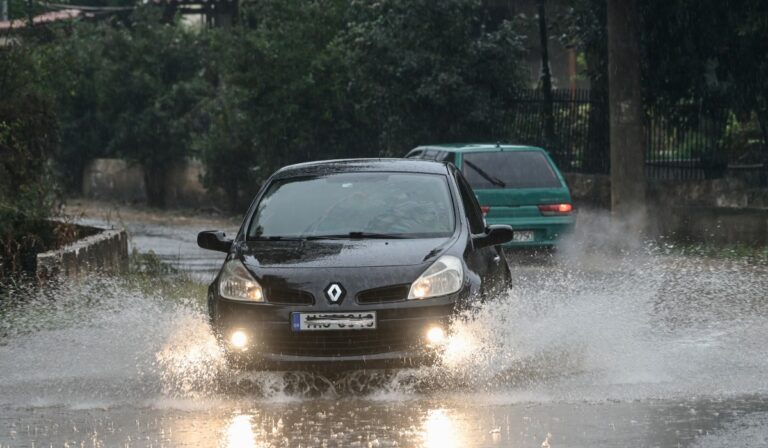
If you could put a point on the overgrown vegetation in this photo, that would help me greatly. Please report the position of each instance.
(154, 278)
(295, 81)
(300, 80)
(28, 139)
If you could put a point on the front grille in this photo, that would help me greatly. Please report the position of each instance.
(339, 343)
(386, 294)
(289, 296)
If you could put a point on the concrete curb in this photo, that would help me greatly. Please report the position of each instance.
(105, 251)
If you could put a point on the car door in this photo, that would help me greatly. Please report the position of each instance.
(488, 261)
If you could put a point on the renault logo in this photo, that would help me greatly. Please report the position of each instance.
(334, 292)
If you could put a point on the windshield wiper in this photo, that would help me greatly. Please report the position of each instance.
(275, 238)
(492, 179)
(356, 235)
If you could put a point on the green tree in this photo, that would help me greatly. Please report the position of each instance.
(426, 71)
(276, 95)
(227, 148)
(583, 26)
(28, 138)
(152, 85)
(73, 66)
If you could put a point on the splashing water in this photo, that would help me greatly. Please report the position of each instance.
(605, 325)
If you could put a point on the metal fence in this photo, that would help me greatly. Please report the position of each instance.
(579, 142)
(689, 141)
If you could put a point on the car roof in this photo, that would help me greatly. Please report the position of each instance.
(480, 147)
(362, 165)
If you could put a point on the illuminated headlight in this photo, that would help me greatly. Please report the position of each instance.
(444, 277)
(238, 339)
(236, 283)
(435, 335)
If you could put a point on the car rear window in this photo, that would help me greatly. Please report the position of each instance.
(511, 169)
(408, 205)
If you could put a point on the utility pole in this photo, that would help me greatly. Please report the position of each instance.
(627, 138)
(3, 10)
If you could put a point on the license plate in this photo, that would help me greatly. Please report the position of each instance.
(333, 321)
(522, 235)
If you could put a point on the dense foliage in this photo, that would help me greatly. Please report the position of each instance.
(295, 81)
(125, 91)
(299, 80)
(700, 58)
(313, 80)
(27, 141)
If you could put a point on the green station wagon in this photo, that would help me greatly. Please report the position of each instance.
(516, 185)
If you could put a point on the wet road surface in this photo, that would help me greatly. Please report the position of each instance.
(606, 345)
(171, 237)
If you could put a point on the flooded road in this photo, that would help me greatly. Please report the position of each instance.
(172, 237)
(602, 346)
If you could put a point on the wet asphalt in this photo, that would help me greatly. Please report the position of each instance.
(601, 344)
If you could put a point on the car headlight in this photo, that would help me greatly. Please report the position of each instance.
(236, 283)
(444, 277)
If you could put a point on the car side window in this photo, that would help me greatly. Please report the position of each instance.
(471, 206)
(430, 154)
(445, 156)
(415, 154)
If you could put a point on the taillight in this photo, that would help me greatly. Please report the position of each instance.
(485, 209)
(556, 209)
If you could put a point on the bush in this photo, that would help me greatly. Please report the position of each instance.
(28, 139)
(424, 71)
(125, 90)
(330, 79)
(296, 81)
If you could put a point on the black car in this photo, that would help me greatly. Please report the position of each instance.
(353, 263)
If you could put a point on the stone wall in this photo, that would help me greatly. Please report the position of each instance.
(713, 225)
(104, 251)
(589, 190)
(115, 180)
(594, 191)
(717, 211)
(121, 181)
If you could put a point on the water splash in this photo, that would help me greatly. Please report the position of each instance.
(595, 323)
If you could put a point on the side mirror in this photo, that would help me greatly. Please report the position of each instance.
(493, 236)
(214, 240)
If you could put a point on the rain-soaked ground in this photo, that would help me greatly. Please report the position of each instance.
(610, 343)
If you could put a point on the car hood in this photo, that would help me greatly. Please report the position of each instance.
(343, 253)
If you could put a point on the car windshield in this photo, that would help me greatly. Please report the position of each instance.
(509, 169)
(355, 205)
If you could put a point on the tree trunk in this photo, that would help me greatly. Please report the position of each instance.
(546, 86)
(627, 138)
(154, 181)
(232, 191)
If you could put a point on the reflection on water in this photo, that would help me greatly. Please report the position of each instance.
(239, 433)
(439, 430)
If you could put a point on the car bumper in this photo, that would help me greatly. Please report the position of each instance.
(398, 341)
(547, 230)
